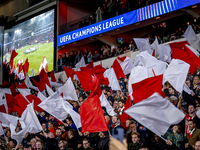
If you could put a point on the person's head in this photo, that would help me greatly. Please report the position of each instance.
(195, 80)
(64, 55)
(197, 145)
(58, 132)
(50, 135)
(102, 134)
(171, 90)
(127, 123)
(191, 109)
(62, 144)
(188, 83)
(177, 128)
(80, 99)
(69, 121)
(61, 127)
(8, 133)
(156, 138)
(60, 56)
(135, 137)
(173, 100)
(43, 125)
(71, 133)
(50, 124)
(27, 147)
(75, 104)
(38, 145)
(33, 142)
(51, 117)
(121, 103)
(86, 143)
(115, 118)
(86, 49)
(191, 124)
(11, 143)
(107, 118)
(133, 126)
(115, 104)
(96, 52)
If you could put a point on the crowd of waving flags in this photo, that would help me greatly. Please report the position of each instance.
(147, 75)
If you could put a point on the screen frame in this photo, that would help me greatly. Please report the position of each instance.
(55, 29)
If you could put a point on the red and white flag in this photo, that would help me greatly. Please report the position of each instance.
(126, 65)
(158, 115)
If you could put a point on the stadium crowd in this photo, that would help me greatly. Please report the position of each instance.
(111, 8)
(65, 136)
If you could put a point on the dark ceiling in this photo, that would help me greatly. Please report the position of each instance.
(3, 1)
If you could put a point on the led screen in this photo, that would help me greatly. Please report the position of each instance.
(32, 39)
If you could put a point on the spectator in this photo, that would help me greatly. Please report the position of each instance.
(197, 145)
(60, 68)
(39, 145)
(64, 60)
(96, 56)
(136, 143)
(175, 136)
(73, 142)
(62, 145)
(193, 134)
(103, 142)
(86, 144)
(89, 57)
(78, 57)
(99, 14)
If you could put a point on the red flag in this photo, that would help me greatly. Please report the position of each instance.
(118, 69)
(11, 103)
(53, 78)
(124, 116)
(20, 67)
(121, 58)
(85, 79)
(43, 80)
(22, 85)
(36, 101)
(180, 51)
(90, 65)
(22, 103)
(88, 70)
(69, 72)
(92, 117)
(25, 67)
(2, 109)
(13, 89)
(144, 89)
(13, 55)
(98, 71)
(96, 90)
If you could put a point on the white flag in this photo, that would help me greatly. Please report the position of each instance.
(1, 129)
(176, 74)
(75, 116)
(7, 119)
(80, 64)
(113, 82)
(158, 116)
(32, 73)
(190, 35)
(127, 65)
(106, 104)
(155, 47)
(187, 89)
(5, 90)
(49, 90)
(29, 84)
(193, 50)
(3, 101)
(165, 53)
(154, 66)
(41, 96)
(68, 90)
(29, 123)
(143, 45)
